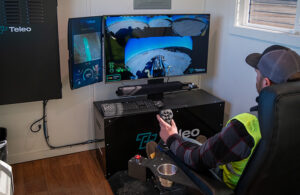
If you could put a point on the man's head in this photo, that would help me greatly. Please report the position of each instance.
(277, 64)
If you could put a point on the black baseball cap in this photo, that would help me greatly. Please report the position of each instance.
(277, 63)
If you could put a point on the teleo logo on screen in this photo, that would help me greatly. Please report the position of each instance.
(14, 29)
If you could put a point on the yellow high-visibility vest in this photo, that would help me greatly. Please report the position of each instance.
(233, 170)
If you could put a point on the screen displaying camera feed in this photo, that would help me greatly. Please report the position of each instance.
(87, 47)
(155, 46)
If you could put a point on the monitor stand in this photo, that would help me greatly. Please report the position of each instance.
(155, 96)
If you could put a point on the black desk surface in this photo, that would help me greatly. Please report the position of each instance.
(173, 100)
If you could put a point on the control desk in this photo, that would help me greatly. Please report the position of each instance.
(127, 124)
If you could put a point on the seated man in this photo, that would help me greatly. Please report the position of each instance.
(230, 149)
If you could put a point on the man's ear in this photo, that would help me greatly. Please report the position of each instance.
(266, 82)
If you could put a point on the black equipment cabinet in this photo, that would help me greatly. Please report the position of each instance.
(29, 51)
(195, 112)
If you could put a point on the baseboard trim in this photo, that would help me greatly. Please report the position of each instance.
(37, 155)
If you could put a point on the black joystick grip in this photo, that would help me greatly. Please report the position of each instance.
(166, 115)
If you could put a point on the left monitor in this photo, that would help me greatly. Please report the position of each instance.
(85, 54)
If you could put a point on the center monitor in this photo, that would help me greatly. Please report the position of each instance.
(149, 46)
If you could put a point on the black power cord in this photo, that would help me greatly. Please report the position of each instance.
(44, 118)
(39, 126)
(37, 121)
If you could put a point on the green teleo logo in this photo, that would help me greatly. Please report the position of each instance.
(144, 138)
(3, 29)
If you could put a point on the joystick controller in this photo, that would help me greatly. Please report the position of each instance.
(166, 115)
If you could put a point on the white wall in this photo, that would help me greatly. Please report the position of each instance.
(229, 77)
(70, 119)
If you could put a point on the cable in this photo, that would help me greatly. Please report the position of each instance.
(44, 118)
(62, 146)
(39, 126)
(35, 122)
(168, 79)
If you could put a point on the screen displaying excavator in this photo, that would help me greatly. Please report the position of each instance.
(152, 46)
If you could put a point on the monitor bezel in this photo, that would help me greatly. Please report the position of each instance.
(146, 79)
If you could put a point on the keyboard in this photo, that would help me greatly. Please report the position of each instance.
(125, 108)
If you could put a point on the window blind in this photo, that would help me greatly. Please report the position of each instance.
(277, 13)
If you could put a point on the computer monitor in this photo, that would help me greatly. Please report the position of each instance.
(149, 46)
(85, 53)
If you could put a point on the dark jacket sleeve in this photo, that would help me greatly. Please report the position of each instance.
(233, 143)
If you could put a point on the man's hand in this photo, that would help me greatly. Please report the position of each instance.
(166, 130)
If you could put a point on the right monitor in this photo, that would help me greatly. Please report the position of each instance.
(149, 46)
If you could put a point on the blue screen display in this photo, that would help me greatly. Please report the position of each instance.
(85, 51)
(155, 46)
(87, 47)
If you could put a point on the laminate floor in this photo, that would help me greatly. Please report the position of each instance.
(77, 173)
